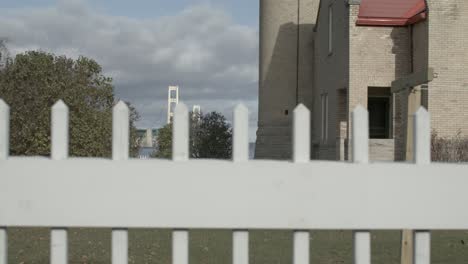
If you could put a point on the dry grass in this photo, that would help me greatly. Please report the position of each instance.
(92, 246)
(453, 149)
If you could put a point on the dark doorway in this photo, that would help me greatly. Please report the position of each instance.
(379, 117)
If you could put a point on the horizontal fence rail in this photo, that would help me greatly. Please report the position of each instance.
(239, 195)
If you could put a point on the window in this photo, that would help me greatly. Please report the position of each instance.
(324, 117)
(330, 29)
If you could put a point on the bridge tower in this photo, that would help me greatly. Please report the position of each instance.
(196, 113)
(172, 101)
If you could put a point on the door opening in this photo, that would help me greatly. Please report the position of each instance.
(380, 114)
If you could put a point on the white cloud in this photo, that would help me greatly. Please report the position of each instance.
(212, 58)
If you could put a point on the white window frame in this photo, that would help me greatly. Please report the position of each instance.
(325, 112)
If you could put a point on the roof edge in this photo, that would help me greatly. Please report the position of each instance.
(395, 22)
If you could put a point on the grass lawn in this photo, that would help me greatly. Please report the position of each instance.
(214, 247)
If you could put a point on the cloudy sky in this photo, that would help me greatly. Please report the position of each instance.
(208, 48)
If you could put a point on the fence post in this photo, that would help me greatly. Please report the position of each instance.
(301, 154)
(59, 151)
(360, 146)
(240, 151)
(422, 156)
(180, 153)
(4, 153)
(120, 152)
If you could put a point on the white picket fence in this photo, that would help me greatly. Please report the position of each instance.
(238, 195)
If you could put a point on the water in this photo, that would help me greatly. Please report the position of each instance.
(145, 153)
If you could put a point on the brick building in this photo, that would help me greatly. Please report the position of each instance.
(332, 55)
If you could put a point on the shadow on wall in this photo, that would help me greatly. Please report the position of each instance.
(285, 80)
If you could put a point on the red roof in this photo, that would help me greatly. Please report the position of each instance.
(391, 12)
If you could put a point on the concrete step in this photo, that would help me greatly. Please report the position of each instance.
(382, 149)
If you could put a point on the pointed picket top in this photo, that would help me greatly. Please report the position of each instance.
(360, 110)
(422, 136)
(4, 130)
(240, 145)
(241, 109)
(4, 109)
(360, 135)
(59, 130)
(3, 105)
(301, 134)
(181, 109)
(120, 131)
(300, 108)
(121, 106)
(422, 112)
(60, 105)
(180, 133)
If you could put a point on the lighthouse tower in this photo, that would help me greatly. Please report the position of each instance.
(286, 71)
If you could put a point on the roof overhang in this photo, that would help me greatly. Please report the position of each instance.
(391, 12)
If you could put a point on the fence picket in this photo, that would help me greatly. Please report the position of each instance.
(301, 252)
(4, 153)
(422, 247)
(422, 156)
(180, 247)
(301, 154)
(120, 151)
(360, 135)
(180, 134)
(180, 152)
(240, 247)
(422, 136)
(120, 131)
(59, 151)
(119, 246)
(59, 131)
(301, 134)
(3, 246)
(4, 130)
(360, 148)
(240, 243)
(58, 246)
(240, 151)
(362, 247)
